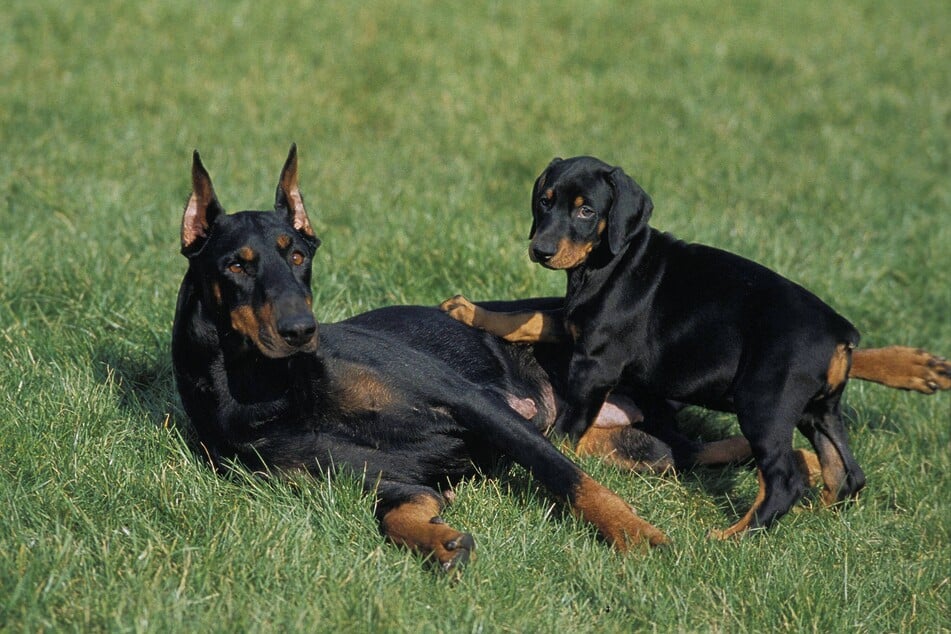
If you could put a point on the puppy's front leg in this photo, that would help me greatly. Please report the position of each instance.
(590, 380)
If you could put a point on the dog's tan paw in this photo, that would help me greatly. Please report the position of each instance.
(460, 309)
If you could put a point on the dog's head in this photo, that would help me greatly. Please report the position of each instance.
(580, 204)
(253, 268)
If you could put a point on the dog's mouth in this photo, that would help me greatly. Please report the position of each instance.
(567, 255)
(279, 349)
(276, 339)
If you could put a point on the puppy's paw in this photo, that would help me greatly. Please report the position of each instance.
(461, 309)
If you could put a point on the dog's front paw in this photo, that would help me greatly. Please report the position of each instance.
(461, 309)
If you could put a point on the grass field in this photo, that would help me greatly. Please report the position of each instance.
(814, 137)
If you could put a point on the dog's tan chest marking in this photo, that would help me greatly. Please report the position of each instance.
(360, 389)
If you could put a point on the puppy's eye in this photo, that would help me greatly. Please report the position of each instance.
(544, 202)
(585, 213)
(297, 258)
(236, 268)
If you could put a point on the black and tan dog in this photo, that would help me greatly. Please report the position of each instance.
(404, 396)
(665, 320)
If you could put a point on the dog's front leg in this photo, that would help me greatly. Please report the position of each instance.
(590, 380)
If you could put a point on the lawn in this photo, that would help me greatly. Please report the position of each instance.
(814, 137)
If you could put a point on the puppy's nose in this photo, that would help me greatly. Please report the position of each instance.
(298, 329)
(542, 253)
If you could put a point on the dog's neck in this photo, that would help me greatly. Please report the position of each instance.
(587, 279)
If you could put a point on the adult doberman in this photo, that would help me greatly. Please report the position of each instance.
(404, 396)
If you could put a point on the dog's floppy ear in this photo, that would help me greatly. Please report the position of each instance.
(202, 208)
(288, 199)
(539, 184)
(629, 212)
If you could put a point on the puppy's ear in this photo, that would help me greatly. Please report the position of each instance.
(629, 212)
(537, 189)
(288, 199)
(202, 209)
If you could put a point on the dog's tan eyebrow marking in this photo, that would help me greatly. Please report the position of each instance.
(246, 253)
(283, 241)
(579, 201)
(549, 194)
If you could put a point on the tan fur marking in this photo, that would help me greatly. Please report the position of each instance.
(514, 327)
(257, 324)
(579, 201)
(416, 525)
(808, 464)
(603, 443)
(549, 194)
(833, 475)
(246, 254)
(903, 368)
(615, 519)
(602, 225)
(244, 321)
(726, 451)
(747, 519)
(360, 389)
(216, 293)
(838, 370)
(283, 241)
(570, 254)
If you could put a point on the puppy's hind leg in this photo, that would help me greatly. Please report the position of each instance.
(842, 476)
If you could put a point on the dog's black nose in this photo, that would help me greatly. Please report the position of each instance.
(297, 330)
(541, 253)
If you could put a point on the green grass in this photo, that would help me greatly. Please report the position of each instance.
(814, 137)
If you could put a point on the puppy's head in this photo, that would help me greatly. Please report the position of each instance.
(253, 268)
(582, 204)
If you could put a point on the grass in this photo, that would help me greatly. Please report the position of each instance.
(813, 137)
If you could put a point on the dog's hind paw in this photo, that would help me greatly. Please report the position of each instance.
(903, 368)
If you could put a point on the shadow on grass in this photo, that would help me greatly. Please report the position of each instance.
(145, 386)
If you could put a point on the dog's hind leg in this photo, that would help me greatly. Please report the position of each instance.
(842, 476)
(808, 465)
(409, 516)
(767, 418)
(903, 368)
(493, 420)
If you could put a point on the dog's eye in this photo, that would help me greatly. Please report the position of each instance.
(585, 213)
(297, 258)
(236, 268)
(544, 203)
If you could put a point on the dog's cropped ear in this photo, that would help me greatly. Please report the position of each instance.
(536, 190)
(288, 199)
(202, 208)
(629, 212)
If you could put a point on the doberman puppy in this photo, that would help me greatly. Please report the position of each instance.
(669, 321)
(405, 396)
